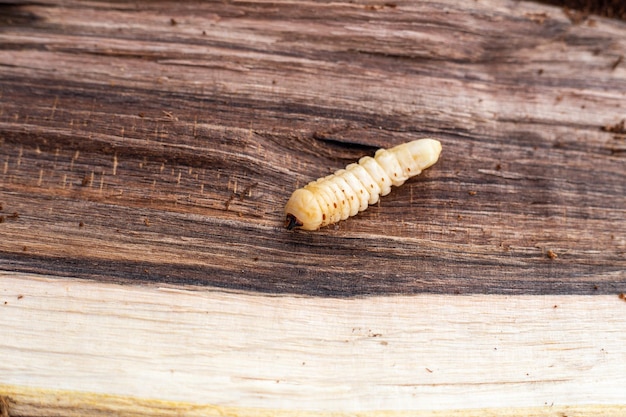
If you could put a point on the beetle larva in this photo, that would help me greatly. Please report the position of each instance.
(349, 191)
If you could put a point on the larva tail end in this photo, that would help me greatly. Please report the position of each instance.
(291, 222)
(425, 152)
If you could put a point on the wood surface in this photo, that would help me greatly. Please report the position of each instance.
(242, 353)
(153, 145)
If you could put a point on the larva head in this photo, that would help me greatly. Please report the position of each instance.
(302, 210)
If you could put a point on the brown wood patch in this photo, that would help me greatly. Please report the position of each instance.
(160, 145)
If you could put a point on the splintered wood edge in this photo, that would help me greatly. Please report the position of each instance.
(113, 347)
(24, 401)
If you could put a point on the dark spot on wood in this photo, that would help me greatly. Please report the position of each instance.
(86, 180)
(241, 195)
(622, 296)
(576, 16)
(24, 249)
(539, 71)
(246, 191)
(538, 18)
(229, 201)
(618, 127)
(557, 145)
(617, 62)
(81, 224)
(2, 219)
(20, 296)
(615, 9)
(173, 22)
(551, 254)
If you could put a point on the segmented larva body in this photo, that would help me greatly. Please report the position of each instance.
(349, 191)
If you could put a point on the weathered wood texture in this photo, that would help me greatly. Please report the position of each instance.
(158, 142)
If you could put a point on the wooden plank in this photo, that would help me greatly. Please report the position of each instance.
(150, 149)
(176, 146)
(422, 352)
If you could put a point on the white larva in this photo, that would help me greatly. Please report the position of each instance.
(349, 191)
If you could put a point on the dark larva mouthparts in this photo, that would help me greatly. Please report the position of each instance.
(349, 191)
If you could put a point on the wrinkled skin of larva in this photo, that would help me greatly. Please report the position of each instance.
(348, 191)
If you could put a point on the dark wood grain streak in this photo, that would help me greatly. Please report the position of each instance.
(138, 149)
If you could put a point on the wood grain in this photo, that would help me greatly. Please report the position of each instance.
(175, 134)
(147, 151)
(32, 401)
(241, 351)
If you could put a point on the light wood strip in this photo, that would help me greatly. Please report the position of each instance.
(422, 352)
